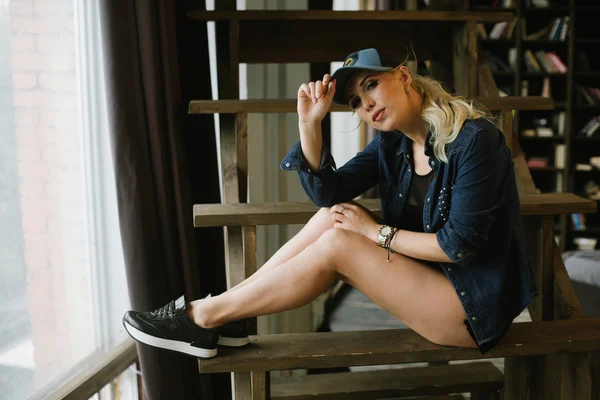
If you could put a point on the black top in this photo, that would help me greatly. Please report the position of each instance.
(412, 218)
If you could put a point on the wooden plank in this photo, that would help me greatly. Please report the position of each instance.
(260, 385)
(92, 374)
(367, 385)
(328, 15)
(471, 58)
(242, 386)
(250, 263)
(394, 346)
(533, 233)
(290, 105)
(547, 268)
(576, 376)
(525, 183)
(487, 83)
(300, 212)
(241, 129)
(506, 126)
(566, 305)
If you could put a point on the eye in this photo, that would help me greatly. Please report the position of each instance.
(372, 84)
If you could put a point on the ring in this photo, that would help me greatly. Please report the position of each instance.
(342, 210)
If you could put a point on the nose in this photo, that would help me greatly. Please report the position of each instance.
(369, 104)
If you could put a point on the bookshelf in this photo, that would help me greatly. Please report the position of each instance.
(549, 50)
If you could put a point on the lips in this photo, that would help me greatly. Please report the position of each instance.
(377, 115)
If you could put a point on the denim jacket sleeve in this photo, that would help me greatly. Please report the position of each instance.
(479, 186)
(329, 185)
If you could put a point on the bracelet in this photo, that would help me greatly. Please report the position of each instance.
(388, 243)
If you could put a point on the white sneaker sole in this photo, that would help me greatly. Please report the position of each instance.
(233, 342)
(167, 344)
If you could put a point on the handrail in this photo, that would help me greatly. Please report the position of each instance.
(92, 374)
(290, 105)
(297, 15)
(248, 214)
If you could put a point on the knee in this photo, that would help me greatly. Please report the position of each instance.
(323, 217)
(335, 242)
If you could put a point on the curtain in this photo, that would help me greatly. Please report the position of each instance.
(155, 61)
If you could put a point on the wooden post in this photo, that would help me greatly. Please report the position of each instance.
(261, 385)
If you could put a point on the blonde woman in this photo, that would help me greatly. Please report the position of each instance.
(448, 257)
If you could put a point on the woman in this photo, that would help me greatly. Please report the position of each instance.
(449, 259)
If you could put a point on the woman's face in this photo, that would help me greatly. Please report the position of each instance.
(380, 99)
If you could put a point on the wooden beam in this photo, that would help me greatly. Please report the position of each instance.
(290, 105)
(329, 15)
(92, 374)
(395, 346)
(300, 212)
(566, 305)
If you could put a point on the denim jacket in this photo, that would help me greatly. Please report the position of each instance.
(472, 206)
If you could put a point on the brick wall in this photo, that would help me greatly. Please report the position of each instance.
(51, 183)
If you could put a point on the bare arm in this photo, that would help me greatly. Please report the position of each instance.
(314, 100)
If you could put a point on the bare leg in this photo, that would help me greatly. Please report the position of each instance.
(420, 296)
(314, 228)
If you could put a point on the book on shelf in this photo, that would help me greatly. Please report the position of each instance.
(537, 162)
(560, 156)
(595, 162)
(543, 131)
(578, 221)
(500, 30)
(531, 62)
(556, 30)
(528, 133)
(558, 122)
(583, 167)
(589, 95)
(524, 88)
(496, 63)
(546, 91)
(591, 128)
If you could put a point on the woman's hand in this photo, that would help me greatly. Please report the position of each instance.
(314, 100)
(354, 218)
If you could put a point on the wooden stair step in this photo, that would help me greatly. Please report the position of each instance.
(330, 15)
(402, 382)
(248, 214)
(290, 105)
(397, 346)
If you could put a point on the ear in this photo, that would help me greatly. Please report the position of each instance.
(405, 75)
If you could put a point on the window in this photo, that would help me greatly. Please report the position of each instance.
(59, 244)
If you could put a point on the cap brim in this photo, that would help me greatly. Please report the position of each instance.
(342, 76)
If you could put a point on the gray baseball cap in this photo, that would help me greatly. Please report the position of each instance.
(366, 59)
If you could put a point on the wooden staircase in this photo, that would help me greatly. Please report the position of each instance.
(545, 359)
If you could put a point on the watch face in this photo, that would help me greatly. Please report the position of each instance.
(386, 230)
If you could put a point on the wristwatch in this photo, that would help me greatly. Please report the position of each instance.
(385, 231)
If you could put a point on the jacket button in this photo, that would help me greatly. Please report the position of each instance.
(287, 164)
(449, 269)
(400, 195)
(459, 255)
(462, 293)
(473, 318)
(429, 199)
(309, 170)
(427, 226)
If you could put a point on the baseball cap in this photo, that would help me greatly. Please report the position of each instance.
(366, 59)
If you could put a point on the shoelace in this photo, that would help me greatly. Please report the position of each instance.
(166, 311)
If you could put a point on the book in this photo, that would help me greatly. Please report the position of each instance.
(481, 32)
(556, 62)
(546, 92)
(559, 156)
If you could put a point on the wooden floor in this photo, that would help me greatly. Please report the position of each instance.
(357, 312)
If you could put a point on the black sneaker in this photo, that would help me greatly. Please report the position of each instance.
(171, 328)
(234, 333)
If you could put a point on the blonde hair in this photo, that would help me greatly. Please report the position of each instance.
(445, 113)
